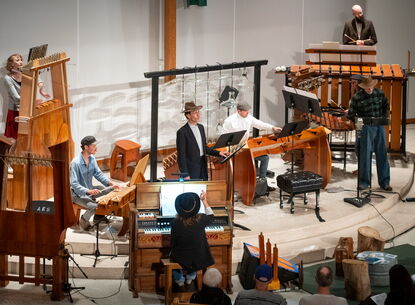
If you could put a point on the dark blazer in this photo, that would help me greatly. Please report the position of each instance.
(368, 32)
(211, 296)
(188, 154)
(189, 246)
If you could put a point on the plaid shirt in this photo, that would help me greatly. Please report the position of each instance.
(369, 105)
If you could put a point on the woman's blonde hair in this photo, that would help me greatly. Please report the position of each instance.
(9, 65)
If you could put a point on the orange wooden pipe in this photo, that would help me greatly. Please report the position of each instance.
(261, 249)
(269, 256)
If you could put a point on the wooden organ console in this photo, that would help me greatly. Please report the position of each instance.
(30, 225)
(150, 236)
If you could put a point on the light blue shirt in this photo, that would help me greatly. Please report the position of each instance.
(81, 175)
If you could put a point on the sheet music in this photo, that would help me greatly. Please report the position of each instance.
(379, 299)
(169, 192)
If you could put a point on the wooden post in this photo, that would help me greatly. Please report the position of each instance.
(356, 279)
(275, 284)
(4, 271)
(169, 37)
(261, 249)
(368, 239)
(269, 255)
(343, 250)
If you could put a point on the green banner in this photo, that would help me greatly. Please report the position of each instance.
(197, 2)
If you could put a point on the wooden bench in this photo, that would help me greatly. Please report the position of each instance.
(169, 295)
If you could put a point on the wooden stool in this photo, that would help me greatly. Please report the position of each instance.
(129, 151)
(356, 279)
(77, 210)
(169, 266)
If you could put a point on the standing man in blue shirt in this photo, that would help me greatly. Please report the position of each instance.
(82, 169)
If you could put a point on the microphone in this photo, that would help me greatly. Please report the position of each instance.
(359, 123)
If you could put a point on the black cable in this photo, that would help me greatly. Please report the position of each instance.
(92, 299)
(393, 229)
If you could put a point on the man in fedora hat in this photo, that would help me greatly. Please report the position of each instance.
(242, 120)
(370, 104)
(191, 145)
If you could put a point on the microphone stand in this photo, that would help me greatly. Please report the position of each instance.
(358, 201)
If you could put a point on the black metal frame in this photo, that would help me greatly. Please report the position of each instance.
(155, 76)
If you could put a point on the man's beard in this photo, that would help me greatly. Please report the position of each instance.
(359, 19)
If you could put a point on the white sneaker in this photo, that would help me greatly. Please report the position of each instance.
(84, 224)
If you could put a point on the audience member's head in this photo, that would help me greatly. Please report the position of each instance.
(324, 276)
(263, 275)
(399, 278)
(212, 277)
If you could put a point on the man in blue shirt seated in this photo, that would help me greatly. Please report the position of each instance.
(82, 169)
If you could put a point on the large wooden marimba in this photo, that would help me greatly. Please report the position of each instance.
(337, 91)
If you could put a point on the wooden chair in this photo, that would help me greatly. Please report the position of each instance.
(176, 301)
(129, 152)
(169, 295)
(77, 210)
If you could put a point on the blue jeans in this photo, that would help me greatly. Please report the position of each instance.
(263, 167)
(372, 139)
(88, 202)
(179, 276)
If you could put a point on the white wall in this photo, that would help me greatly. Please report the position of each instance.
(111, 44)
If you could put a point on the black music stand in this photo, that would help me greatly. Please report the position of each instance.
(359, 201)
(226, 140)
(97, 253)
(67, 287)
(291, 129)
(301, 100)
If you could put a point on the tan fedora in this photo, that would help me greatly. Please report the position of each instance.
(368, 82)
(191, 106)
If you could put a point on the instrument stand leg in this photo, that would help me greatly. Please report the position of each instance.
(67, 287)
(233, 198)
(358, 201)
(97, 253)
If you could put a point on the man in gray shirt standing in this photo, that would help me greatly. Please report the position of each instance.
(324, 279)
(260, 295)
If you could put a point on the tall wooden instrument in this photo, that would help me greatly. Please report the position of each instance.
(150, 236)
(30, 224)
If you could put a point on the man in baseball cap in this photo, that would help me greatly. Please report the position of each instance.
(260, 295)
